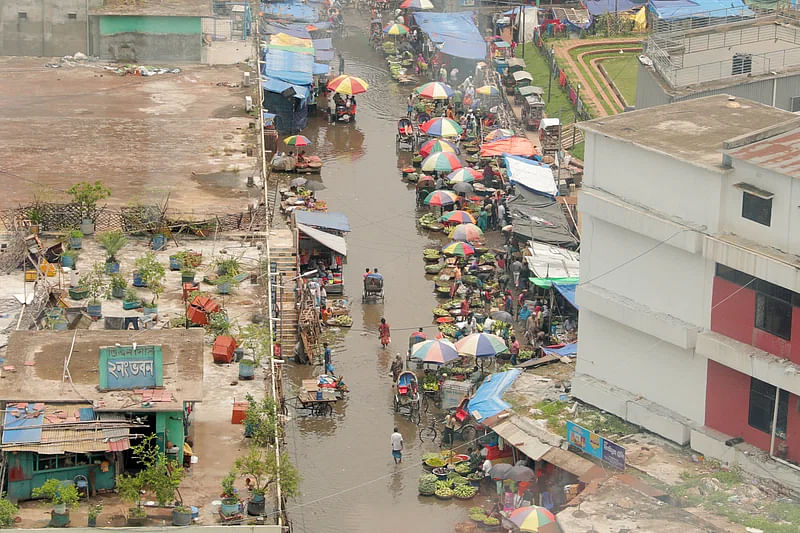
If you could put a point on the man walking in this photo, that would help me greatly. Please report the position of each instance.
(397, 446)
(341, 64)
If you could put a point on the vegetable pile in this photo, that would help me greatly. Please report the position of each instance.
(427, 484)
(443, 489)
(463, 468)
(341, 320)
(465, 492)
(434, 462)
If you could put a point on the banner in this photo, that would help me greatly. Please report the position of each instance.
(593, 444)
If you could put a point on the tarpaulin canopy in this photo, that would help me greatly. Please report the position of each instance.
(678, 9)
(532, 447)
(539, 217)
(291, 67)
(509, 145)
(330, 220)
(548, 261)
(488, 399)
(284, 39)
(323, 55)
(328, 240)
(291, 11)
(321, 68)
(295, 30)
(546, 283)
(535, 176)
(270, 85)
(569, 350)
(599, 7)
(456, 33)
(567, 290)
(323, 44)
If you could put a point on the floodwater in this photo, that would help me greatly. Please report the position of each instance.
(350, 482)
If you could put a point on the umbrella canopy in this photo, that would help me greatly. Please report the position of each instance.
(458, 216)
(481, 345)
(462, 187)
(441, 198)
(419, 335)
(502, 316)
(441, 162)
(435, 90)
(496, 135)
(346, 84)
(437, 145)
(466, 232)
(531, 519)
(465, 174)
(442, 127)
(425, 180)
(396, 29)
(298, 182)
(488, 90)
(314, 185)
(297, 140)
(461, 249)
(521, 473)
(434, 351)
(500, 471)
(417, 4)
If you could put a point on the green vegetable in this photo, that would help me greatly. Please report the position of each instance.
(465, 491)
(444, 492)
(435, 462)
(428, 219)
(491, 521)
(463, 468)
(433, 269)
(476, 510)
(427, 484)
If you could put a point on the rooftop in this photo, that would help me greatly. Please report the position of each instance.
(691, 130)
(35, 361)
(160, 8)
(780, 153)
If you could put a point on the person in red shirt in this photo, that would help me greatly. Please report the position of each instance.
(464, 308)
(514, 350)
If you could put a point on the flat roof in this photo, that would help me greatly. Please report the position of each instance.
(41, 381)
(780, 153)
(691, 130)
(158, 8)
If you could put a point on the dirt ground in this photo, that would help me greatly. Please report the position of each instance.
(177, 133)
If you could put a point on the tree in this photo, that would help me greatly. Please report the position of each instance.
(256, 337)
(260, 464)
(261, 420)
(159, 476)
(87, 194)
(8, 511)
(152, 273)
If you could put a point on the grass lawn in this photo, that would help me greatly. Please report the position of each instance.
(594, 78)
(622, 71)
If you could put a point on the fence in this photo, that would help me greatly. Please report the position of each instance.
(232, 21)
(560, 76)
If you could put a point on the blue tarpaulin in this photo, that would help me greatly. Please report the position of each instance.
(456, 33)
(600, 7)
(322, 44)
(568, 350)
(15, 427)
(291, 11)
(567, 290)
(279, 86)
(679, 9)
(321, 68)
(291, 67)
(488, 399)
(316, 219)
(323, 55)
(295, 30)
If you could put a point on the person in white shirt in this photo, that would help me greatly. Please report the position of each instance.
(486, 468)
(397, 446)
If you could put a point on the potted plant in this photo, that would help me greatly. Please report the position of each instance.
(159, 242)
(94, 512)
(181, 515)
(131, 300)
(230, 503)
(185, 258)
(263, 468)
(35, 215)
(69, 257)
(187, 273)
(261, 421)
(75, 238)
(95, 284)
(8, 512)
(225, 284)
(228, 267)
(112, 242)
(86, 195)
(63, 496)
(152, 273)
(117, 285)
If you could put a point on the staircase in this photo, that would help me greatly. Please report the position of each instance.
(283, 260)
(272, 202)
(566, 136)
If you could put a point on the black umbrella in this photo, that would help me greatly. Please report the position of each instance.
(500, 471)
(521, 473)
(502, 316)
(314, 185)
(298, 182)
(462, 187)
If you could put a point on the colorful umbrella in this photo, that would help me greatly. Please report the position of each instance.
(496, 135)
(442, 127)
(346, 84)
(465, 174)
(297, 140)
(396, 29)
(466, 232)
(488, 90)
(434, 351)
(441, 198)
(434, 90)
(419, 335)
(458, 216)
(425, 180)
(460, 249)
(417, 4)
(481, 345)
(437, 145)
(441, 162)
(531, 519)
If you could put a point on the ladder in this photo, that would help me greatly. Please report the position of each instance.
(284, 261)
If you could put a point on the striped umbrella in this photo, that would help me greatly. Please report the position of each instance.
(458, 216)
(533, 519)
(297, 140)
(481, 345)
(461, 249)
(440, 198)
(438, 352)
(437, 145)
(346, 84)
(441, 162)
(434, 90)
(466, 232)
(442, 127)
(396, 29)
(496, 135)
(417, 4)
(488, 90)
(464, 174)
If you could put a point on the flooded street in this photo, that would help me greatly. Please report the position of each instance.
(350, 482)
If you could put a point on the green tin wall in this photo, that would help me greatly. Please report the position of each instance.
(109, 25)
(28, 478)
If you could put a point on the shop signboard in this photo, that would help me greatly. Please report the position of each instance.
(130, 367)
(593, 444)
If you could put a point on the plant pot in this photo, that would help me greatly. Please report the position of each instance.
(426, 494)
(187, 277)
(246, 369)
(150, 310)
(131, 305)
(75, 243)
(229, 507)
(92, 521)
(224, 288)
(159, 242)
(60, 324)
(174, 263)
(138, 281)
(87, 226)
(94, 310)
(117, 292)
(238, 353)
(67, 261)
(112, 267)
(60, 508)
(78, 293)
(59, 519)
(180, 518)
(256, 505)
(34, 229)
(134, 519)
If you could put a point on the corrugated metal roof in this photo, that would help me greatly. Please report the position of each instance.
(518, 438)
(780, 153)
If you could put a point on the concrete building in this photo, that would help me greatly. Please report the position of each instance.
(44, 27)
(755, 57)
(690, 276)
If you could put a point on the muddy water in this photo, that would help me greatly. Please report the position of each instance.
(350, 482)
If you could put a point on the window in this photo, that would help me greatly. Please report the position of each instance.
(756, 208)
(47, 462)
(734, 276)
(22, 15)
(741, 64)
(762, 407)
(774, 316)
(72, 16)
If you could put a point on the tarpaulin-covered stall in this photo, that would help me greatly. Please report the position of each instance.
(681, 9)
(325, 221)
(532, 175)
(539, 217)
(454, 33)
(328, 240)
(567, 290)
(510, 145)
(288, 76)
(488, 399)
(600, 7)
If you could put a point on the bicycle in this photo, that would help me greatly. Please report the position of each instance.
(429, 432)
